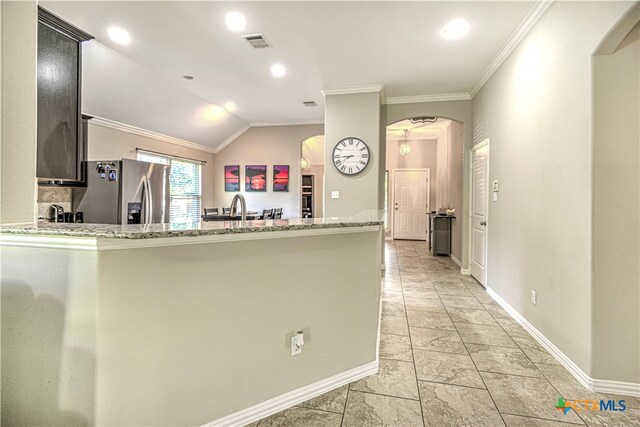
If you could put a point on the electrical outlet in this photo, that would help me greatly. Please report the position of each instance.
(295, 348)
(297, 342)
(534, 297)
(335, 194)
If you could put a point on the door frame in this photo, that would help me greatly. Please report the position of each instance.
(484, 143)
(392, 190)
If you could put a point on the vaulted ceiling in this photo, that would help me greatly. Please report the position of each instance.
(322, 44)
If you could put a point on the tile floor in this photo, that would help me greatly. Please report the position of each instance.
(450, 356)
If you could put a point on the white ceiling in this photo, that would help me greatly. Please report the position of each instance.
(323, 44)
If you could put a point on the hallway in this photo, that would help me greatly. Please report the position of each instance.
(451, 356)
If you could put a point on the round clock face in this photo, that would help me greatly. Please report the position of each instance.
(351, 156)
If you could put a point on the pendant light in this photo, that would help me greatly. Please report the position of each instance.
(405, 148)
(304, 164)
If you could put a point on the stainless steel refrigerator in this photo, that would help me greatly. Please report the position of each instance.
(124, 192)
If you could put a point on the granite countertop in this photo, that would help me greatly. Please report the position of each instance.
(147, 231)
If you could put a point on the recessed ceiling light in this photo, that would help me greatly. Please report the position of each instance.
(455, 29)
(235, 21)
(187, 77)
(119, 35)
(230, 107)
(278, 70)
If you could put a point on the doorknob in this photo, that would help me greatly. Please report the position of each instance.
(483, 222)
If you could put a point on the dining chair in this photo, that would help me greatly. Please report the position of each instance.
(267, 213)
(211, 211)
(226, 211)
(277, 213)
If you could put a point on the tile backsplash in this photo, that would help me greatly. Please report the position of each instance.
(48, 196)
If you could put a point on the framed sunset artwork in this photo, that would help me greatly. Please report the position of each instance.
(255, 178)
(281, 178)
(232, 178)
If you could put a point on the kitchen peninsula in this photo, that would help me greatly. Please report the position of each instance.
(186, 324)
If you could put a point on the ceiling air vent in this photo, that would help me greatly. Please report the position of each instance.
(425, 119)
(257, 41)
(309, 103)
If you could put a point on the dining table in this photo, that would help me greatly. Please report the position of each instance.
(251, 215)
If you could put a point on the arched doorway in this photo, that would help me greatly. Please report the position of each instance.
(312, 177)
(616, 201)
(429, 151)
(458, 111)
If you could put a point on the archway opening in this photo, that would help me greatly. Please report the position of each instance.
(312, 177)
(424, 158)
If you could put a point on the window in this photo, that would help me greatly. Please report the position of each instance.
(185, 182)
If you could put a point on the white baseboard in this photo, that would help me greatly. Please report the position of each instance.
(456, 260)
(595, 385)
(615, 387)
(287, 400)
(463, 271)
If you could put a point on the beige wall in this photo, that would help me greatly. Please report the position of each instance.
(181, 335)
(354, 115)
(616, 212)
(112, 144)
(536, 110)
(48, 336)
(273, 145)
(457, 187)
(18, 111)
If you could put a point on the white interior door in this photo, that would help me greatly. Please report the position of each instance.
(479, 212)
(410, 203)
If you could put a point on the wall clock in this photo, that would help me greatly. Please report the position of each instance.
(351, 156)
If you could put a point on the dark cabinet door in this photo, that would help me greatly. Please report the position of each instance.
(61, 146)
(58, 114)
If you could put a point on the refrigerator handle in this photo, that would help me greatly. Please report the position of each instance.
(145, 202)
(143, 213)
(150, 201)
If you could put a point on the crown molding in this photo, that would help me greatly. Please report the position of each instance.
(463, 96)
(300, 123)
(231, 138)
(353, 89)
(100, 121)
(523, 29)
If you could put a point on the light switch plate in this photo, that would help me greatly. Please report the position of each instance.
(495, 196)
(496, 185)
(335, 194)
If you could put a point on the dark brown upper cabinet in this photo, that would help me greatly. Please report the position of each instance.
(62, 142)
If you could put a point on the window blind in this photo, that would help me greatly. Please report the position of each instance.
(185, 189)
(185, 186)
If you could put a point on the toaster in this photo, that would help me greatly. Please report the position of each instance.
(56, 213)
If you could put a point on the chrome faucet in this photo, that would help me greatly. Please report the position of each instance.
(234, 207)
